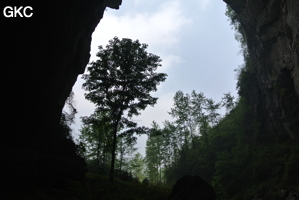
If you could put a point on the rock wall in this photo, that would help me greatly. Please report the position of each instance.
(271, 28)
(41, 58)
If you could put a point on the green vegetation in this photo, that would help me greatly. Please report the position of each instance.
(155, 156)
(99, 187)
(231, 151)
(94, 187)
(119, 84)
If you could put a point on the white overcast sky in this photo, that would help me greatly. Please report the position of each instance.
(193, 39)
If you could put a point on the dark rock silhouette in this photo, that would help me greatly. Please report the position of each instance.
(192, 188)
(41, 58)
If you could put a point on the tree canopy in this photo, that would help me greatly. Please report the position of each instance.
(119, 83)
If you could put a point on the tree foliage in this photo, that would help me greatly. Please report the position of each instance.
(95, 142)
(137, 166)
(155, 155)
(119, 83)
(170, 150)
(231, 151)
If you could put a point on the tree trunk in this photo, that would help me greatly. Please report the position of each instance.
(111, 174)
(98, 151)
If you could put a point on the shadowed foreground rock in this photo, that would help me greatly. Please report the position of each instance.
(43, 56)
(192, 188)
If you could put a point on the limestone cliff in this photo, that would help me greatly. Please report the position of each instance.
(41, 59)
(271, 29)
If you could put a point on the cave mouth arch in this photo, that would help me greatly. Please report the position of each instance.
(38, 76)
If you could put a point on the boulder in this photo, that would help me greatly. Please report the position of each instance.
(192, 187)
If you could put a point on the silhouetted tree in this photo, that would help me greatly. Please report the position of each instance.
(96, 139)
(155, 154)
(137, 166)
(120, 82)
(125, 147)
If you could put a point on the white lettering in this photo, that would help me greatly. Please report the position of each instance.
(28, 7)
(15, 11)
(9, 13)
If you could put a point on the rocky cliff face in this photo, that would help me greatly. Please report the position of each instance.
(271, 28)
(41, 59)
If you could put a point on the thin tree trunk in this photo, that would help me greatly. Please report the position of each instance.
(121, 160)
(111, 174)
(121, 155)
(98, 151)
(160, 175)
(98, 157)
